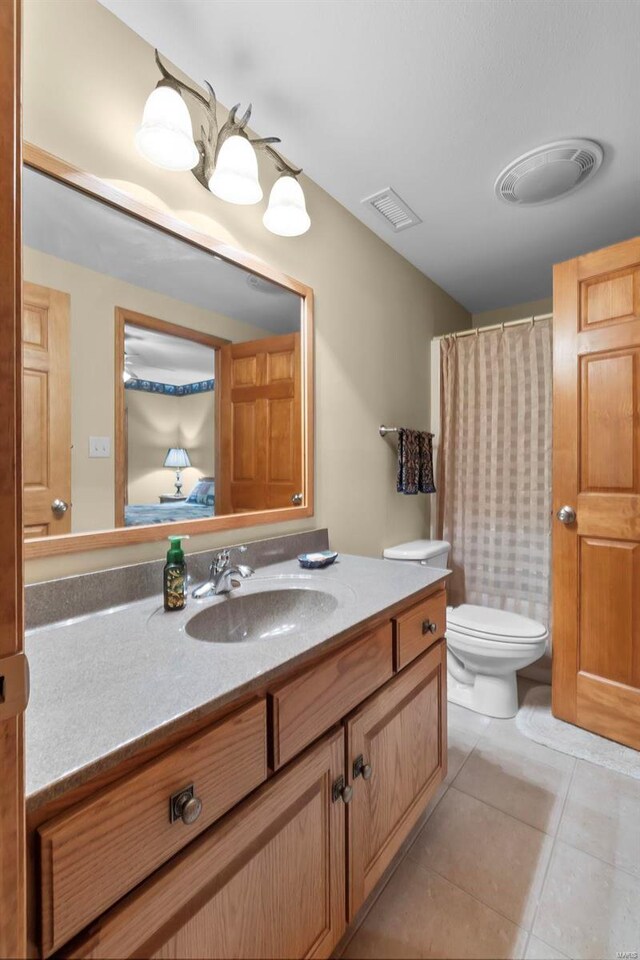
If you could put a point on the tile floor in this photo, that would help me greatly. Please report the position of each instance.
(527, 853)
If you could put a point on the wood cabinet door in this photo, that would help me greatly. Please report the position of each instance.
(260, 425)
(268, 881)
(400, 734)
(596, 472)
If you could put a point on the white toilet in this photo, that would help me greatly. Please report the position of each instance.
(485, 646)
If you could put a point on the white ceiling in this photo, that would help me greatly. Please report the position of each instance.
(150, 355)
(433, 98)
(67, 224)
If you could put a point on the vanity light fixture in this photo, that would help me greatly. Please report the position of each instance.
(222, 159)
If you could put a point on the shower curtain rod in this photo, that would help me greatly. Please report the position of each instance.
(496, 326)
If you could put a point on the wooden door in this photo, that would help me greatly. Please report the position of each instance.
(596, 473)
(260, 460)
(400, 734)
(268, 881)
(46, 411)
(13, 687)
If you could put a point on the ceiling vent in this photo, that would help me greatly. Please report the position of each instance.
(394, 211)
(549, 172)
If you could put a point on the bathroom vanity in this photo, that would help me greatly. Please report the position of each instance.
(200, 797)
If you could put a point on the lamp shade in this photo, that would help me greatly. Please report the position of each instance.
(235, 177)
(177, 457)
(165, 137)
(287, 214)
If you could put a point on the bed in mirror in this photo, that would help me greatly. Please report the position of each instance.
(166, 387)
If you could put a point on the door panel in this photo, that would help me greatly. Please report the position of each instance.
(596, 469)
(260, 464)
(609, 435)
(610, 568)
(400, 732)
(610, 297)
(46, 410)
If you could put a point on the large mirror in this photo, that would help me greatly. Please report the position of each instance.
(165, 386)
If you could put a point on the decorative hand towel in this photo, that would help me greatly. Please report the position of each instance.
(415, 462)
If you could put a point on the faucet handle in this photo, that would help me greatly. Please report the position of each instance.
(220, 561)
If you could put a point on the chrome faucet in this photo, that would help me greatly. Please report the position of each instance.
(221, 574)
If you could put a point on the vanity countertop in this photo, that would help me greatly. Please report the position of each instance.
(106, 684)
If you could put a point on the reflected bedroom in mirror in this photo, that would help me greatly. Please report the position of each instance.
(162, 383)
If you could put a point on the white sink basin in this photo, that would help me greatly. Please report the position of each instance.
(266, 615)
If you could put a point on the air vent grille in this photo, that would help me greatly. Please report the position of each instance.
(548, 172)
(394, 211)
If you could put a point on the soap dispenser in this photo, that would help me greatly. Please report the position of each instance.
(175, 575)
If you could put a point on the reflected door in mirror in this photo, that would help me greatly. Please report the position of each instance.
(46, 412)
(260, 425)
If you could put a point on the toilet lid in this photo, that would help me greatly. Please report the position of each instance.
(416, 550)
(492, 624)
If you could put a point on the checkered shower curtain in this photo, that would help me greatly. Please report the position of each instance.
(494, 502)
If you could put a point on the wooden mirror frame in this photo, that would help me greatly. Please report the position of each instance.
(43, 162)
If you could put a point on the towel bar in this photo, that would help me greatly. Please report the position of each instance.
(383, 431)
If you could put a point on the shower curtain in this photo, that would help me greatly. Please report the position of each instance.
(494, 494)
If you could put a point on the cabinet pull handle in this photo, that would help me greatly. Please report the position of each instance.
(428, 626)
(361, 769)
(341, 791)
(185, 806)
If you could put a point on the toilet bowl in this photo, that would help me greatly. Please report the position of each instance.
(485, 649)
(485, 646)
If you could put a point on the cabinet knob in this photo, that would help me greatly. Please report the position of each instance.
(297, 499)
(185, 806)
(361, 768)
(428, 626)
(341, 791)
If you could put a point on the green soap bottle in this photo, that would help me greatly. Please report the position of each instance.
(175, 576)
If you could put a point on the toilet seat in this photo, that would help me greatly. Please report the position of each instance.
(496, 626)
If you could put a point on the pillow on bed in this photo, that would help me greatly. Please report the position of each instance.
(203, 492)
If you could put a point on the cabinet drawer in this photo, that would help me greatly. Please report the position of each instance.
(306, 706)
(100, 849)
(419, 628)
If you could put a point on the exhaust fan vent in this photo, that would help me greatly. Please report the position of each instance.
(549, 172)
(394, 211)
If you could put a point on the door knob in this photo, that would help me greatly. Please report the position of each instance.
(566, 514)
(296, 499)
(59, 507)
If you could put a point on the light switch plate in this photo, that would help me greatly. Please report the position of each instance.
(99, 446)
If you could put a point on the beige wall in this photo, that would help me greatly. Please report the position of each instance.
(86, 79)
(94, 297)
(159, 421)
(516, 312)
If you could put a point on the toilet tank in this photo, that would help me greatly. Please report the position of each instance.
(430, 553)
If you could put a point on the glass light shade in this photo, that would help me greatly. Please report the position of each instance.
(287, 214)
(165, 137)
(235, 177)
(177, 457)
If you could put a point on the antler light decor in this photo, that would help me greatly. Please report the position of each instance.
(223, 160)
